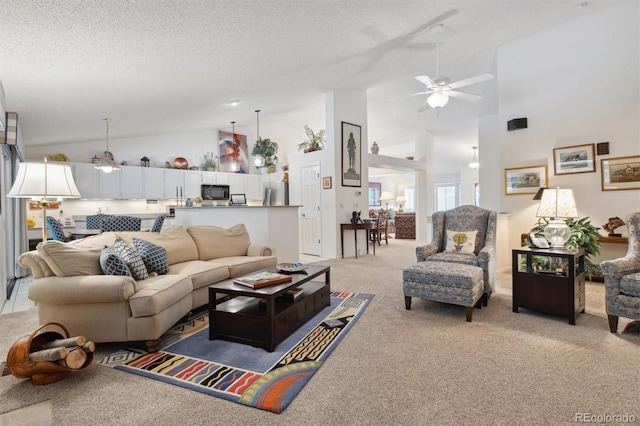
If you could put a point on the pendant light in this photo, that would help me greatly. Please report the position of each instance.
(106, 163)
(258, 160)
(234, 166)
(474, 164)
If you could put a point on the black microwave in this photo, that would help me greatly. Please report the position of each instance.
(214, 192)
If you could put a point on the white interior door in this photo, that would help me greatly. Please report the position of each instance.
(311, 217)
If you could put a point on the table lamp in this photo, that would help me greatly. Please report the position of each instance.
(386, 196)
(44, 183)
(400, 200)
(557, 204)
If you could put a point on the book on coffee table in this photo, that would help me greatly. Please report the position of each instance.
(262, 279)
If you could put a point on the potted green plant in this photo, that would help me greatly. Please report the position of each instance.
(208, 161)
(268, 150)
(583, 235)
(314, 142)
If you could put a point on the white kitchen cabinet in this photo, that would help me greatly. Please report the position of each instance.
(131, 187)
(154, 183)
(108, 185)
(174, 183)
(253, 187)
(191, 184)
(236, 183)
(84, 175)
(209, 178)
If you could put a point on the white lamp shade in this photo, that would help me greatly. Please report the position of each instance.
(386, 196)
(437, 100)
(400, 199)
(44, 180)
(557, 203)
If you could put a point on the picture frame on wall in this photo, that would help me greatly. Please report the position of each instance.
(574, 159)
(351, 155)
(233, 147)
(525, 180)
(622, 173)
(326, 182)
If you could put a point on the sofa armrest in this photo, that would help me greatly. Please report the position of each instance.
(258, 250)
(423, 252)
(81, 289)
(34, 262)
(486, 254)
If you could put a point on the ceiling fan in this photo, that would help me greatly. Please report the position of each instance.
(440, 89)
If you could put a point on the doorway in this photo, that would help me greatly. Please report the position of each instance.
(311, 216)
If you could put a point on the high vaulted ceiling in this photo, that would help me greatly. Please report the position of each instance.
(167, 66)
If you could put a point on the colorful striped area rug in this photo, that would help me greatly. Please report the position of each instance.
(242, 373)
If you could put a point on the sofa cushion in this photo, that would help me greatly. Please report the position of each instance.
(243, 265)
(153, 256)
(467, 259)
(96, 241)
(67, 260)
(176, 241)
(132, 258)
(157, 293)
(214, 242)
(201, 273)
(112, 264)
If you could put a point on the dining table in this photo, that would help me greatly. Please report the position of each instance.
(79, 233)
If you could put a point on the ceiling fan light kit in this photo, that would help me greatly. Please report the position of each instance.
(440, 89)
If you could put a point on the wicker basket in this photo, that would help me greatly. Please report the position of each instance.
(41, 372)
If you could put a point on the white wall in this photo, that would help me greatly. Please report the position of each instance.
(576, 84)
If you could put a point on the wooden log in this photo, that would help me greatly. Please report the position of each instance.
(75, 359)
(89, 347)
(53, 354)
(68, 342)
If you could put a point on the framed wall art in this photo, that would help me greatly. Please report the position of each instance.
(620, 173)
(233, 147)
(326, 182)
(351, 155)
(525, 180)
(574, 159)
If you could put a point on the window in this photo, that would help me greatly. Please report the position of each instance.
(410, 199)
(374, 193)
(447, 196)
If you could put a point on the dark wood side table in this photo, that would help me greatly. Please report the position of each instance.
(553, 292)
(367, 226)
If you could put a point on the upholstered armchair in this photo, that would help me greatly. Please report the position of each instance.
(622, 278)
(465, 219)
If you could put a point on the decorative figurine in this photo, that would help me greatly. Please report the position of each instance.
(95, 159)
(355, 218)
(144, 161)
(614, 222)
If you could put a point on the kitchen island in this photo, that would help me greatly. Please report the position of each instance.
(273, 226)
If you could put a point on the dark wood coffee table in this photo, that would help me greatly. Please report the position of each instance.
(265, 317)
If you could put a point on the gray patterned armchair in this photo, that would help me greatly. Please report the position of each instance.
(622, 278)
(465, 218)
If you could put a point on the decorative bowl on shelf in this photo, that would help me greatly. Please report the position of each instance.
(180, 163)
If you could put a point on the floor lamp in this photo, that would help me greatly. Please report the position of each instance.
(44, 183)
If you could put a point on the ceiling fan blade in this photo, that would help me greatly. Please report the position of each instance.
(464, 96)
(471, 80)
(426, 81)
(428, 92)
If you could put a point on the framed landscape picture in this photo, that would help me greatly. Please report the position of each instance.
(525, 180)
(574, 159)
(351, 155)
(620, 173)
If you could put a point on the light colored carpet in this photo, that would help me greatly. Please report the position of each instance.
(424, 366)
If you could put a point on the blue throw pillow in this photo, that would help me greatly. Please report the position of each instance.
(153, 256)
(132, 258)
(112, 264)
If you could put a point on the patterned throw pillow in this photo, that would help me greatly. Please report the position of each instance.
(461, 241)
(112, 264)
(153, 256)
(133, 259)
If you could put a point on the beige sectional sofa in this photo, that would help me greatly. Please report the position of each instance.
(69, 286)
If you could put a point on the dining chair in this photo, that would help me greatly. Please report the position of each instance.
(157, 224)
(56, 230)
(121, 223)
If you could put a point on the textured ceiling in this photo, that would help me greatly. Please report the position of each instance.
(167, 66)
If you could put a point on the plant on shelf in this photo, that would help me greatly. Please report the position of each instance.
(268, 150)
(583, 235)
(315, 142)
(208, 161)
